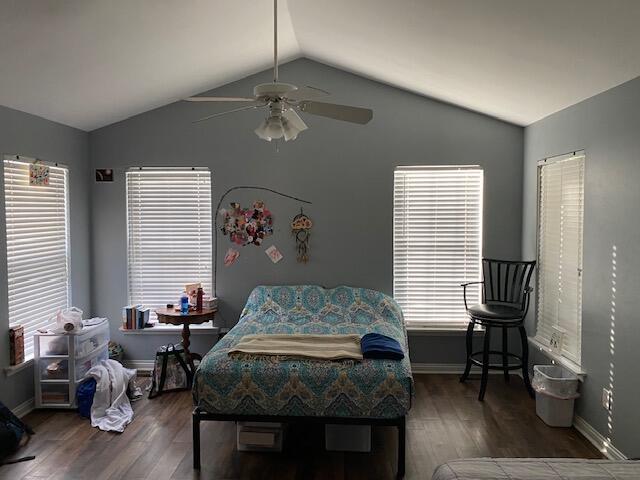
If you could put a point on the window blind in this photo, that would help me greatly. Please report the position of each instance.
(437, 242)
(560, 219)
(169, 233)
(37, 230)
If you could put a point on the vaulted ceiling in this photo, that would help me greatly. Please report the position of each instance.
(89, 63)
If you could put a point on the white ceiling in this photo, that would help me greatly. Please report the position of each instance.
(89, 63)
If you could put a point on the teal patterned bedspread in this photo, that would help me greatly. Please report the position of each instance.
(308, 387)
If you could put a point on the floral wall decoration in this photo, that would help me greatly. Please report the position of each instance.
(301, 229)
(245, 226)
(38, 174)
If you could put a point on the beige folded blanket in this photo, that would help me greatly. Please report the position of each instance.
(323, 347)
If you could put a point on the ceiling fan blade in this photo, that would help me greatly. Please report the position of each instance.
(337, 112)
(208, 117)
(294, 119)
(304, 93)
(220, 99)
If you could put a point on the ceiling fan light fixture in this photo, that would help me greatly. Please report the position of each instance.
(273, 128)
(289, 132)
(261, 131)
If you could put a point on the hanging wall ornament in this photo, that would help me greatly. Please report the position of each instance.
(301, 229)
(38, 174)
(230, 257)
(245, 226)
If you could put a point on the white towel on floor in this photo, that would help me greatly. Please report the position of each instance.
(111, 409)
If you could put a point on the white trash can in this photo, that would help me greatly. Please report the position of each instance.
(556, 391)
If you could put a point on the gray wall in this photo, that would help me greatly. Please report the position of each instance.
(606, 127)
(25, 134)
(345, 170)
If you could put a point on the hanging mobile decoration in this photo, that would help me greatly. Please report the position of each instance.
(245, 226)
(230, 225)
(301, 228)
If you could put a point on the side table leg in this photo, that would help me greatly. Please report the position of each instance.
(186, 333)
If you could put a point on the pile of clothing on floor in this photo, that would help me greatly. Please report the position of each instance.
(104, 394)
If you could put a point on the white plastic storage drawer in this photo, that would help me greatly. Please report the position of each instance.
(51, 345)
(54, 369)
(63, 359)
(54, 394)
(83, 365)
(91, 339)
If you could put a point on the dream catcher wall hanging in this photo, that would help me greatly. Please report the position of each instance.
(301, 229)
(245, 226)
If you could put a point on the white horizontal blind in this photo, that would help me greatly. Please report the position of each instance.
(437, 242)
(169, 233)
(560, 219)
(37, 229)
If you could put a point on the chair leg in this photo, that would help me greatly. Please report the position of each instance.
(485, 362)
(525, 361)
(505, 350)
(467, 368)
(196, 440)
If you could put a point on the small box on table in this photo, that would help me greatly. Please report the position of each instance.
(16, 345)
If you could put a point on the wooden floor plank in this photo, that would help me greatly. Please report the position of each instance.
(446, 422)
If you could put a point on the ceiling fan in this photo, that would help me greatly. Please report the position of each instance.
(283, 100)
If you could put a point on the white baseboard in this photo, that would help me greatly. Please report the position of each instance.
(450, 369)
(438, 368)
(24, 408)
(597, 439)
(143, 365)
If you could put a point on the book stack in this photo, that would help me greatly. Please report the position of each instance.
(135, 317)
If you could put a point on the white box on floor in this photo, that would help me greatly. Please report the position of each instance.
(347, 438)
(259, 436)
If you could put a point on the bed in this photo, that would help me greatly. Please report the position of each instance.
(370, 392)
(537, 469)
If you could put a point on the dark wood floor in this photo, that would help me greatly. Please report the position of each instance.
(446, 422)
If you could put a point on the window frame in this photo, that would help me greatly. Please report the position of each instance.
(459, 326)
(135, 169)
(541, 342)
(28, 357)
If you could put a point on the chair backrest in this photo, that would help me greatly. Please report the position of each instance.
(506, 281)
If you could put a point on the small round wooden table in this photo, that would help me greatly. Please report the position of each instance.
(174, 317)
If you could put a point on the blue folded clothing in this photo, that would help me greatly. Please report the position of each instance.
(376, 345)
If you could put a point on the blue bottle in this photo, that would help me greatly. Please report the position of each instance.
(184, 304)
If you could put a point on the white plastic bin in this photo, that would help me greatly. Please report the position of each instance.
(556, 391)
(259, 436)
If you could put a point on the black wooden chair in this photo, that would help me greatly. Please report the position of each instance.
(505, 302)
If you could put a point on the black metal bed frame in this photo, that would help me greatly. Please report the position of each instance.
(200, 415)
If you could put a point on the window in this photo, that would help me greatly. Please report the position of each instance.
(559, 289)
(169, 233)
(37, 230)
(437, 242)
